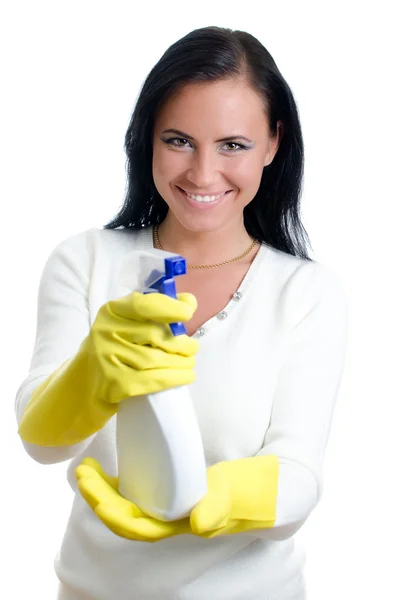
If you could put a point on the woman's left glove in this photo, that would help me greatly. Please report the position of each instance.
(242, 496)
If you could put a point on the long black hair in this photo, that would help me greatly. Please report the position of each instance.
(211, 54)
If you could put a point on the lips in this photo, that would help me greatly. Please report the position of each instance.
(197, 194)
(203, 206)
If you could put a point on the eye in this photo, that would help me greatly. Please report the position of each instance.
(240, 146)
(171, 141)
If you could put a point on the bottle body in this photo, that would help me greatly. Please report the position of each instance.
(161, 462)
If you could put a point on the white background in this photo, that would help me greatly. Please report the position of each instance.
(71, 72)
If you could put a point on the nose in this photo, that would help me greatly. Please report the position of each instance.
(205, 163)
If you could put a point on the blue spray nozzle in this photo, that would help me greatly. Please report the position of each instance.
(174, 266)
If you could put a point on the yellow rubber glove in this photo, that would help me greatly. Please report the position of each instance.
(122, 517)
(242, 496)
(130, 351)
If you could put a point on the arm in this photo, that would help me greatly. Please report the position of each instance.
(272, 499)
(125, 353)
(62, 323)
(304, 403)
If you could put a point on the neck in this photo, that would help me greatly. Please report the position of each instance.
(206, 247)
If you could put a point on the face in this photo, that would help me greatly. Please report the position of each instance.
(196, 159)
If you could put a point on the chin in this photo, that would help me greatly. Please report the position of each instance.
(200, 225)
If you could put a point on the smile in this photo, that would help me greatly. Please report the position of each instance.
(203, 199)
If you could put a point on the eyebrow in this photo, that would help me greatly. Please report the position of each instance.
(189, 137)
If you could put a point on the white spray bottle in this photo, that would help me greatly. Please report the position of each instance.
(161, 462)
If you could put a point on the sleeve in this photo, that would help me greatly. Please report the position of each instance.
(305, 396)
(62, 324)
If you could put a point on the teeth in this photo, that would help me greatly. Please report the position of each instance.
(204, 198)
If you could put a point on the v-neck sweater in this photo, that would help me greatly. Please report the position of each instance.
(268, 374)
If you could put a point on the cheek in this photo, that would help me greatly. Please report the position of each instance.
(162, 166)
(246, 176)
(167, 164)
(164, 170)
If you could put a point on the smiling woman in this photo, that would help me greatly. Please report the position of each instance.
(205, 166)
(236, 127)
(215, 162)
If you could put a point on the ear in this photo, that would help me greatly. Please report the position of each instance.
(274, 144)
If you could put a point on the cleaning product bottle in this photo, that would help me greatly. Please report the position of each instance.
(161, 462)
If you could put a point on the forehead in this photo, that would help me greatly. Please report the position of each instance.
(219, 104)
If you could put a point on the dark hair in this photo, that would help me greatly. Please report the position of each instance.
(211, 54)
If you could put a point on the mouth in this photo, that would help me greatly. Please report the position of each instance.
(203, 203)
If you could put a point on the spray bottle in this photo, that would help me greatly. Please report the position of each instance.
(161, 462)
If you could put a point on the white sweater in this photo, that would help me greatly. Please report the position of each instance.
(267, 378)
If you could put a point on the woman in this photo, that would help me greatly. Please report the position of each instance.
(215, 163)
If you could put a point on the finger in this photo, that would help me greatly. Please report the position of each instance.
(149, 528)
(96, 490)
(154, 307)
(90, 496)
(224, 530)
(83, 471)
(202, 522)
(145, 529)
(158, 335)
(213, 511)
(189, 299)
(92, 462)
(143, 358)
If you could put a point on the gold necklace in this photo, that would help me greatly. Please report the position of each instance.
(225, 262)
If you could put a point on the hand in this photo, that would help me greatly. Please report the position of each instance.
(129, 351)
(242, 496)
(132, 349)
(121, 516)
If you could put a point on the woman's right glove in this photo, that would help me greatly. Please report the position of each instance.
(129, 351)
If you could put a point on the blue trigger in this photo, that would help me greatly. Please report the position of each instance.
(174, 266)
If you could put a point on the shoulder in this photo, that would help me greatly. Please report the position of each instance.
(303, 284)
(303, 276)
(90, 244)
(95, 237)
(84, 254)
(317, 291)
